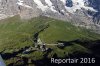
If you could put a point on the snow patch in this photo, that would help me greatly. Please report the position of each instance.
(43, 7)
(64, 1)
(77, 4)
(21, 3)
(50, 5)
(40, 5)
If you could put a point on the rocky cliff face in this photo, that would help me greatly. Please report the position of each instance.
(25, 8)
(84, 13)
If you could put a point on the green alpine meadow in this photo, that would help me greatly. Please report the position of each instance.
(30, 42)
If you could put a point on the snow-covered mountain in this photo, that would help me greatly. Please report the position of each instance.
(84, 13)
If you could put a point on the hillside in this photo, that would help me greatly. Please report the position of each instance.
(18, 35)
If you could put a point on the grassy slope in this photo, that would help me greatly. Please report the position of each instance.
(60, 30)
(16, 33)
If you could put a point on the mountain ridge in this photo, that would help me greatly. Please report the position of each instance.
(83, 13)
